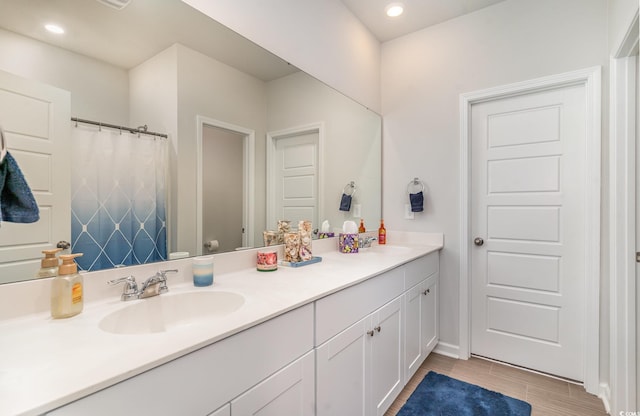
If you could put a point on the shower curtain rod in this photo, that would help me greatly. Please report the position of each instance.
(139, 130)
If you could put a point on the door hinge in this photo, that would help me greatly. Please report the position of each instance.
(637, 256)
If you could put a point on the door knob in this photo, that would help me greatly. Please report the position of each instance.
(63, 245)
(478, 241)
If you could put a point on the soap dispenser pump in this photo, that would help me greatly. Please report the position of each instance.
(49, 263)
(66, 291)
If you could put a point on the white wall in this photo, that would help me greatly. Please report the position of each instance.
(99, 91)
(353, 147)
(177, 85)
(322, 38)
(620, 13)
(423, 75)
(154, 101)
(214, 90)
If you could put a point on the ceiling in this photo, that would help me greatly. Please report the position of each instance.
(418, 14)
(142, 29)
(127, 37)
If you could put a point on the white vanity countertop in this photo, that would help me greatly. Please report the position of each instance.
(46, 363)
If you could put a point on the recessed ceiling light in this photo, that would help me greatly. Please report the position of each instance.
(54, 28)
(394, 9)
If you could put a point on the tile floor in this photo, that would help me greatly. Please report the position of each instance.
(547, 396)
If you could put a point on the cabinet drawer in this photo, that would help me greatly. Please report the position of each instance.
(420, 269)
(338, 311)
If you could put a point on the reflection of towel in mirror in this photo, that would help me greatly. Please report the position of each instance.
(345, 202)
(17, 203)
(417, 201)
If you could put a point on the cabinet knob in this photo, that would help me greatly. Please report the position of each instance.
(378, 328)
(370, 333)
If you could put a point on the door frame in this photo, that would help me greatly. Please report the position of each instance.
(591, 79)
(622, 184)
(248, 185)
(272, 138)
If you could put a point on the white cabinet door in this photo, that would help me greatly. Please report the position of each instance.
(288, 392)
(420, 324)
(341, 365)
(413, 329)
(359, 371)
(223, 411)
(385, 375)
(430, 330)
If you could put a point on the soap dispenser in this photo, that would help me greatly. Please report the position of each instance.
(66, 290)
(49, 264)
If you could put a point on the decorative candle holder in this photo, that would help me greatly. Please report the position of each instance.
(202, 271)
(267, 261)
(304, 228)
(284, 226)
(270, 238)
(292, 247)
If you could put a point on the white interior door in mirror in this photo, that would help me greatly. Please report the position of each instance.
(295, 178)
(36, 122)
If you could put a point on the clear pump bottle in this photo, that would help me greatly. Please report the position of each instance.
(67, 298)
(49, 264)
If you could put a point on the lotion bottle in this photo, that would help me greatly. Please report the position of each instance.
(67, 298)
(49, 264)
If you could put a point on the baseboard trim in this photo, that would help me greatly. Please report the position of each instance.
(448, 350)
(604, 394)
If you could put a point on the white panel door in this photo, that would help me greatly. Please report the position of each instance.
(296, 178)
(36, 121)
(527, 206)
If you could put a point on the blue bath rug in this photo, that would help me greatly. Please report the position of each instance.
(439, 395)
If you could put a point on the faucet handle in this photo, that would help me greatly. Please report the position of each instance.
(130, 287)
(162, 275)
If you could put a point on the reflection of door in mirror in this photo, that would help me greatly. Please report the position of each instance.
(294, 176)
(35, 118)
(222, 183)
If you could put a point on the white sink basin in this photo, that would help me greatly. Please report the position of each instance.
(164, 312)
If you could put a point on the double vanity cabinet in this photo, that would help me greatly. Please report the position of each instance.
(348, 353)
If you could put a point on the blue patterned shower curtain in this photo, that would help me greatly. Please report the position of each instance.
(118, 198)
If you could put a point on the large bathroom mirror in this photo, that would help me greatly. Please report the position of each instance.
(250, 138)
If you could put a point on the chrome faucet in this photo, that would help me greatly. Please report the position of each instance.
(130, 287)
(365, 242)
(153, 286)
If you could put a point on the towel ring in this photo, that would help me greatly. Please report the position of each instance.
(350, 186)
(415, 183)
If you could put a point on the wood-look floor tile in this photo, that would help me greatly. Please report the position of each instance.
(561, 401)
(531, 378)
(547, 396)
(578, 392)
(507, 386)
